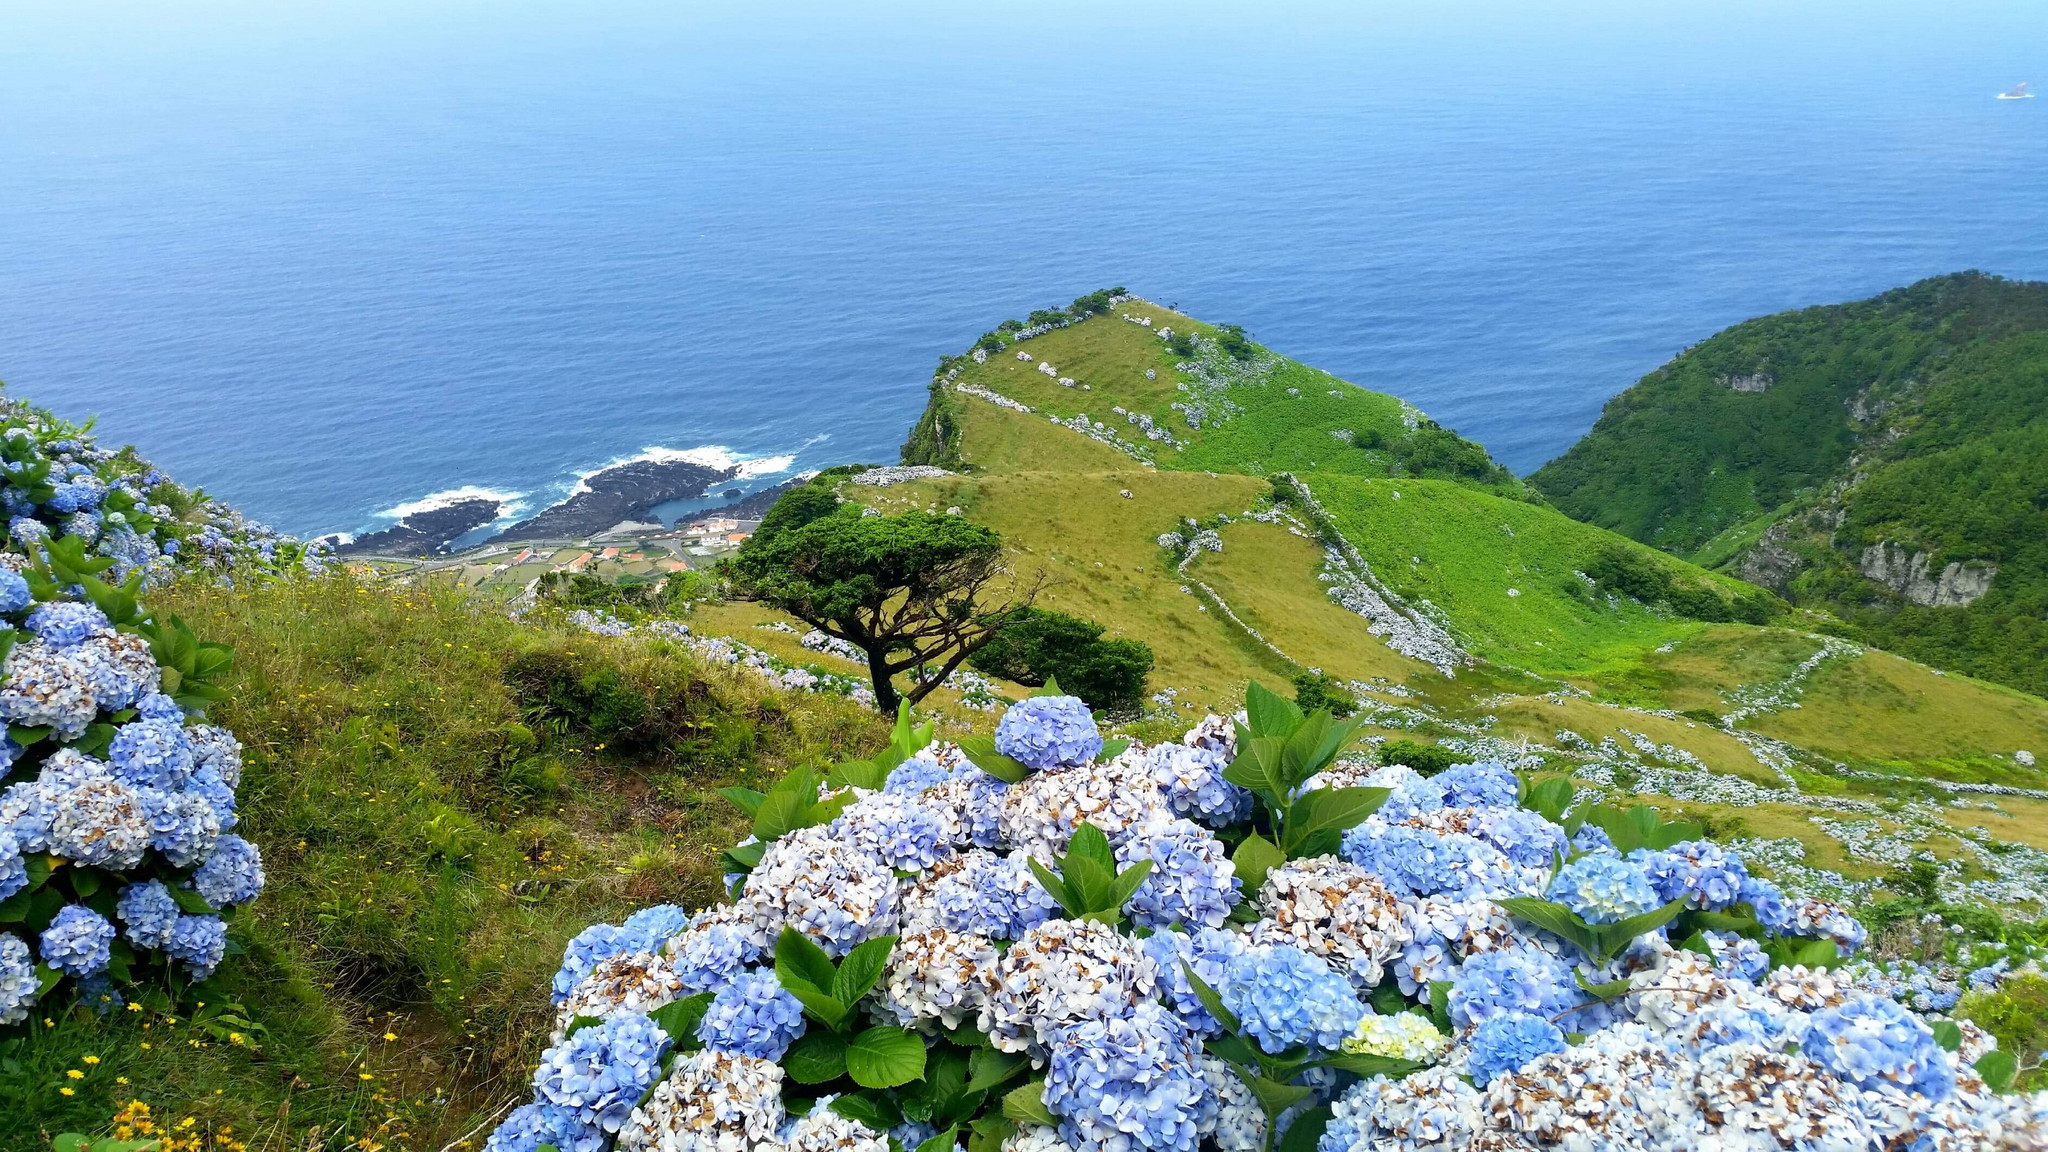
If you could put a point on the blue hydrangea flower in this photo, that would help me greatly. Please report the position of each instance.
(1719, 1024)
(1128, 1083)
(78, 942)
(1192, 881)
(531, 1125)
(1604, 889)
(1522, 836)
(1517, 979)
(1739, 956)
(1507, 1042)
(601, 1072)
(14, 594)
(219, 796)
(1048, 731)
(18, 984)
(1591, 838)
(990, 895)
(1283, 997)
(1699, 871)
(894, 826)
(1410, 793)
(1485, 784)
(753, 1016)
(1870, 1040)
(1208, 951)
(150, 912)
(27, 530)
(1419, 862)
(198, 942)
(67, 624)
(1769, 903)
(182, 825)
(710, 956)
(13, 869)
(657, 923)
(157, 706)
(1192, 778)
(1981, 979)
(78, 495)
(917, 774)
(151, 754)
(586, 950)
(232, 874)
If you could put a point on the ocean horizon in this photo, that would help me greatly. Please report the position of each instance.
(336, 262)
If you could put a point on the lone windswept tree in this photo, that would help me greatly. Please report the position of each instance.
(916, 592)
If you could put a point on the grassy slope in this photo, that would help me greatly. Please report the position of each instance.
(1054, 495)
(426, 863)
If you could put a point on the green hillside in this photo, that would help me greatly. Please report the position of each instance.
(1542, 650)
(1878, 460)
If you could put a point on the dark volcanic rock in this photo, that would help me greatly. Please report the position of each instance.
(750, 507)
(622, 492)
(424, 532)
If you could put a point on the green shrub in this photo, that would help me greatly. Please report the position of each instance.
(1041, 645)
(1320, 691)
(1427, 759)
(2017, 1013)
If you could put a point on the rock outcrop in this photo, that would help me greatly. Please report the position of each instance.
(428, 531)
(1906, 572)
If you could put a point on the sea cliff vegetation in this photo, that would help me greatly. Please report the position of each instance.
(1878, 460)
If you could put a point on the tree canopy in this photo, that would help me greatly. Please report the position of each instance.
(917, 592)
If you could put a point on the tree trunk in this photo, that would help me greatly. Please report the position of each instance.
(883, 681)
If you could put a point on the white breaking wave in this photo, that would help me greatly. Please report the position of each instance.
(708, 455)
(766, 466)
(508, 502)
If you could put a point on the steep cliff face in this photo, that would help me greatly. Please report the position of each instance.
(1906, 573)
(1881, 459)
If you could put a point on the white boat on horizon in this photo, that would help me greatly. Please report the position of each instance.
(2016, 92)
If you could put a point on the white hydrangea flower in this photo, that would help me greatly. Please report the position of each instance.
(938, 975)
(1807, 989)
(1758, 1098)
(824, 1130)
(1239, 1124)
(1434, 1110)
(1060, 972)
(710, 1102)
(1626, 1090)
(1334, 910)
(1036, 1138)
(1041, 813)
(628, 982)
(828, 889)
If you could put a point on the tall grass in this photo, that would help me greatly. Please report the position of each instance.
(443, 796)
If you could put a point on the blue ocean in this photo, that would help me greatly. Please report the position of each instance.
(331, 259)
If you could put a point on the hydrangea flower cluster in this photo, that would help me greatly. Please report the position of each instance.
(1049, 732)
(126, 792)
(1603, 888)
(1689, 1050)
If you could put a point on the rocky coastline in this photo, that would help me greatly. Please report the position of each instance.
(428, 531)
(623, 492)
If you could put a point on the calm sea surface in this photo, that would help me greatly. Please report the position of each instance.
(326, 260)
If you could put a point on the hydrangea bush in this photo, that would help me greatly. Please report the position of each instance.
(118, 856)
(1047, 941)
